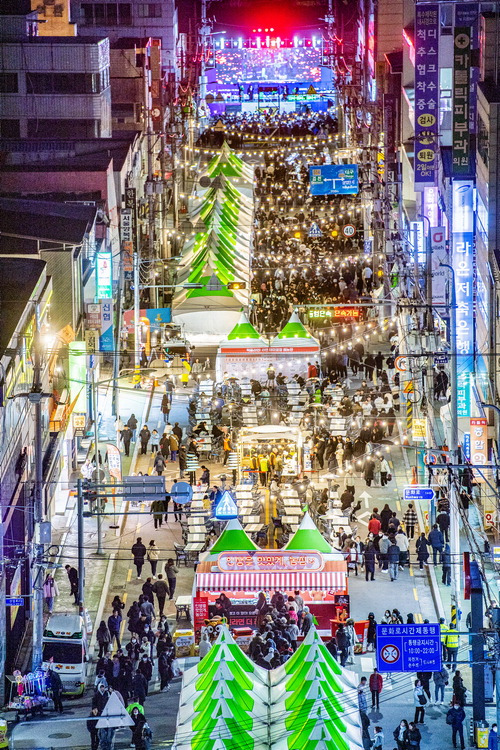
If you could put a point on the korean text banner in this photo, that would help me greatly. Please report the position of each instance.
(328, 179)
(463, 266)
(426, 94)
(461, 97)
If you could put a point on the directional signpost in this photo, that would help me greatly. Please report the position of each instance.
(14, 601)
(417, 493)
(409, 648)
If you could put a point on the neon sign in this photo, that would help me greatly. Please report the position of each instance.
(335, 312)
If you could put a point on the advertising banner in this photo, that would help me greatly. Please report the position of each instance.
(104, 275)
(461, 150)
(426, 94)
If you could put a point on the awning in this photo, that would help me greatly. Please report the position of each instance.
(319, 581)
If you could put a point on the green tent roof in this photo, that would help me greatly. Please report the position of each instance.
(294, 329)
(308, 536)
(233, 539)
(243, 330)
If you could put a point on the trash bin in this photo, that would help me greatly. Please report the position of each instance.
(482, 733)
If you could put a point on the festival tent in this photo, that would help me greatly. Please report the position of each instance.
(313, 701)
(223, 701)
(227, 163)
(308, 536)
(293, 348)
(242, 351)
(309, 703)
(232, 539)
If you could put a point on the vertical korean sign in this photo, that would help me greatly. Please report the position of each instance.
(479, 445)
(426, 94)
(104, 267)
(461, 150)
(463, 265)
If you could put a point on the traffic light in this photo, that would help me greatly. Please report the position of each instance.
(237, 285)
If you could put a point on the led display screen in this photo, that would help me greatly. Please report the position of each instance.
(267, 64)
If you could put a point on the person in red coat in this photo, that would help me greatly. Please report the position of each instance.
(376, 684)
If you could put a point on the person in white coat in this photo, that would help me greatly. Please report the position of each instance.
(205, 645)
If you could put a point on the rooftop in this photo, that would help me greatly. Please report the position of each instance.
(67, 156)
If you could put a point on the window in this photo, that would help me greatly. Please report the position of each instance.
(67, 83)
(9, 129)
(8, 83)
(49, 128)
(149, 10)
(106, 14)
(64, 653)
(123, 110)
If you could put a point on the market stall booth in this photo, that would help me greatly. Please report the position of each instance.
(243, 353)
(229, 703)
(293, 348)
(237, 568)
(282, 441)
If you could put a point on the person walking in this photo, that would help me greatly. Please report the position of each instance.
(369, 561)
(157, 509)
(56, 688)
(493, 738)
(362, 703)
(383, 548)
(342, 641)
(174, 446)
(410, 521)
(144, 436)
(414, 736)
(226, 447)
(455, 718)
(437, 543)
(393, 560)
(376, 683)
(50, 591)
(74, 581)
(378, 739)
(446, 558)
(155, 441)
(165, 407)
(132, 424)
(400, 735)
(422, 552)
(114, 626)
(161, 589)
(443, 521)
(92, 728)
(165, 671)
(404, 546)
(419, 701)
(425, 681)
(103, 638)
(153, 555)
(171, 573)
(160, 463)
(440, 681)
(126, 438)
(139, 552)
(139, 721)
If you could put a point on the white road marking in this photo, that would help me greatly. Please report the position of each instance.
(367, 664)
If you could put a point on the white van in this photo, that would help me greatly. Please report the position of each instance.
(64, 646)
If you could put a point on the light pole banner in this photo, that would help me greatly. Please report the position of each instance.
(114, 461)
(439, 274)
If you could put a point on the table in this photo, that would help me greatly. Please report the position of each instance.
(244, 495)
(194, 547)
(195, 538)
(196, 530)
(252, 528)
(290, 520)
(251, 519)
(197, 505)
(292, 502)
(183, 605)
(243, 488)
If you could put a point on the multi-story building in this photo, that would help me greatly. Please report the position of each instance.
(134, 18)
(52, 87)
(25, 293)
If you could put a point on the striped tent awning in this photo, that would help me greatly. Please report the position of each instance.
(325, 580)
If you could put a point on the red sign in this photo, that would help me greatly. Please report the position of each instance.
(479, 442)
(268, 349)
(200, 611)
(262, 561)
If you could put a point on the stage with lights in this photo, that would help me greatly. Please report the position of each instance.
(269, 73)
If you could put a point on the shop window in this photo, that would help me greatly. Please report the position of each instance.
(149, 10)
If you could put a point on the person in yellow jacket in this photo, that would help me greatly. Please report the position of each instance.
(452, 641)
(226, 447)
(263, 469)
(444, 629)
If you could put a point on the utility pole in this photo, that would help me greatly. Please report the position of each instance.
(35, 398)
(81, 562)
(98, 465)
(495, 618)
(476, 610)
(454, 506)
(137, 329)
(149, 141)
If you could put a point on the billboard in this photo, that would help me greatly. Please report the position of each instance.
(427, 29)
(329, 179)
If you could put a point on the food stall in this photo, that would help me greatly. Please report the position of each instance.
(285, 441)
(234, 567)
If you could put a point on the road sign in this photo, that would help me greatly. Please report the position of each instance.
(14, 601)
(409, 648)
(402, 363)
(330, 179)
(409, 387)
(430, 458)
(144, 488)
(311, 90)
(414, 396)
(181, 492)
(349, 230)
(441, 359)
(418, 493)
